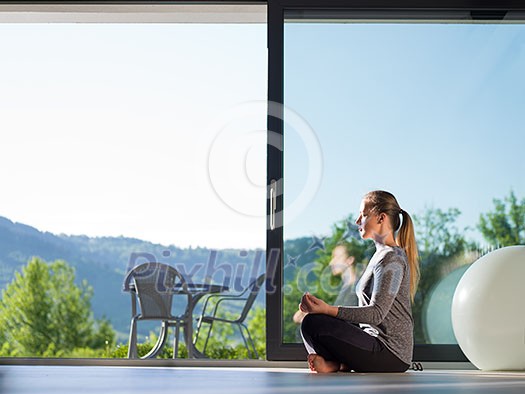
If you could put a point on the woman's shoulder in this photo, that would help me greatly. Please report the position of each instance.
(394, 255)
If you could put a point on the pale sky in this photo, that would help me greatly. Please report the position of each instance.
(431, 112)
(157, 131)
(138, 130)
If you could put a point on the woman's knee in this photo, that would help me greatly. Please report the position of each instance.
(313, 323)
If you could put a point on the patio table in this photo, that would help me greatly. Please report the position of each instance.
(194, 291)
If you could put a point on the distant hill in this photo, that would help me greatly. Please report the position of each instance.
(103, 262)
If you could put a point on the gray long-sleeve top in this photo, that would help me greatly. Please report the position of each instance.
(384, 309)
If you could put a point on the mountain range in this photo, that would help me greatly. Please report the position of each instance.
(104, 261)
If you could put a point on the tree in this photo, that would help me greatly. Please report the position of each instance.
(257, 327)
(505, 225)
(44, 313)
(437, 234)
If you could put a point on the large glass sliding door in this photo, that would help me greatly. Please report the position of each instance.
(425, 104)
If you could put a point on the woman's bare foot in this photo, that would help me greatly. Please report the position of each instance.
(318, 364)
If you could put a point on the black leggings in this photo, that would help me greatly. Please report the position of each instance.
(338, 340)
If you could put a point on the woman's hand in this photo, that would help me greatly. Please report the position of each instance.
(312, 304)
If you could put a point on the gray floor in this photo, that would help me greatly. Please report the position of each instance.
(196, 380)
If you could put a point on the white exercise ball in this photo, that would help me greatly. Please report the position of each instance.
(488, 310)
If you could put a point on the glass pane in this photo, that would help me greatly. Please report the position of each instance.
(117, 150)
(429, 111)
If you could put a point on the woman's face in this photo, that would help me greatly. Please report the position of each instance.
(367, 222)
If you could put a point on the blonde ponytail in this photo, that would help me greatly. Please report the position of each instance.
(406, 239)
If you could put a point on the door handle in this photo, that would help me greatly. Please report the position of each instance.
(273, 203)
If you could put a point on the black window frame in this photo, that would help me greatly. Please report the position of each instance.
(425, 10)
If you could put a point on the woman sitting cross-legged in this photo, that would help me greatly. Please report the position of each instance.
(377, 335)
